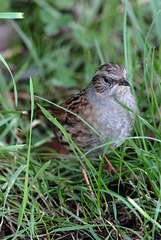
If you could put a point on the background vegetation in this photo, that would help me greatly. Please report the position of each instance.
(60, 44)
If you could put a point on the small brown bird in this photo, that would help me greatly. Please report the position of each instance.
(98, 106)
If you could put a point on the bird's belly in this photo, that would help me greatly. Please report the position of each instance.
(114, 126)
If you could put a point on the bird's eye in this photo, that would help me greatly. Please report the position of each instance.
(105, 79)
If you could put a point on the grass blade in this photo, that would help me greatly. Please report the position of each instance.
(14, 83)
(28, 158)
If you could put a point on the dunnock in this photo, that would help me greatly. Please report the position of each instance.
(98, 106)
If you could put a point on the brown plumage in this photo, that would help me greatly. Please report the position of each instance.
(98, 106)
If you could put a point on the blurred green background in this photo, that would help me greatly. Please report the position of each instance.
(61, 43)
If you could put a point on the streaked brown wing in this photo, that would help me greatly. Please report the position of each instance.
(74, 104)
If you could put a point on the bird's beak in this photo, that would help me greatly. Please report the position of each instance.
(124, 82)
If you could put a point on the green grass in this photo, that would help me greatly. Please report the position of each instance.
(42, 193)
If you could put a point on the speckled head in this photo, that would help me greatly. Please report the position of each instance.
(108, 76)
